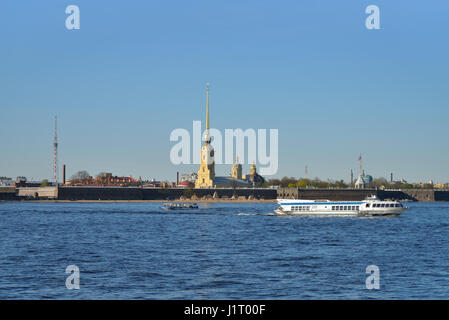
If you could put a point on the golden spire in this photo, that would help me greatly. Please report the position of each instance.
(207, 113)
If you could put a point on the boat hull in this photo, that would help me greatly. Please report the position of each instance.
(339, 214)
(371, 207)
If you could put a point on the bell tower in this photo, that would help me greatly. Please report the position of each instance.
(237, 169)
(206, 173)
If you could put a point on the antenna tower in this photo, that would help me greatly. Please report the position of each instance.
(55, 151)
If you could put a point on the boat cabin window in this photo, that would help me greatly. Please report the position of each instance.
(367, 205)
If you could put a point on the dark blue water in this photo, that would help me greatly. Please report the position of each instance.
(221, 251)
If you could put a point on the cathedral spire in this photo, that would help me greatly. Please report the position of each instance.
(207, 112)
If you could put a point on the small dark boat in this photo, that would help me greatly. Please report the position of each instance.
(179, 206)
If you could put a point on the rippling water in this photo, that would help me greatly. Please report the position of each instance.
(220, 251)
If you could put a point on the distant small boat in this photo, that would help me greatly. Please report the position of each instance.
(371, 206)
(179, 206)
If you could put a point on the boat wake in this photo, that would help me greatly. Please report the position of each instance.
(256, 214)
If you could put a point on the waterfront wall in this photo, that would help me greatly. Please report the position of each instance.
(8, 196)
(135, 193)
(441, 195)
(38, 193)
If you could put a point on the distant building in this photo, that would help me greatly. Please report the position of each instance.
(253, 177)
(22, 182)
(186, 184)
(106, 179)
(152, 184)
(191, 177)
(236, 169)
(360, 183)
(6, 182)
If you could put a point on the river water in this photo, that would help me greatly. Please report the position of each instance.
(220, 251)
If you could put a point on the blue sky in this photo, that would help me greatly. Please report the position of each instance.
(136, 70)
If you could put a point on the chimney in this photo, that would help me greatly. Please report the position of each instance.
(63, 174)
(391, 177)
(177, 178)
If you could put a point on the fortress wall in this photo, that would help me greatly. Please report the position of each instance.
(442, 195)
(99, 193)
(134, 193)
(420, 194)
(8, 196)
(229, 193)
(38, 192)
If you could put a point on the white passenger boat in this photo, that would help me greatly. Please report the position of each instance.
(371, 206)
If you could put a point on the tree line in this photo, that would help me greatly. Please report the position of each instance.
(291, 182)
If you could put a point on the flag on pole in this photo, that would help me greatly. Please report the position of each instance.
(360, 158)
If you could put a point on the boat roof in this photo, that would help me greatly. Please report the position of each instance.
(301, 200)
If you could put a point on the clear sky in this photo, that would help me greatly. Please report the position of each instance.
(136, 70)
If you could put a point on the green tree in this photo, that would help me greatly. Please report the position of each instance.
(80, 175)
(302, 183)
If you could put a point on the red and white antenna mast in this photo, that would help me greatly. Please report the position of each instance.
(55, 149)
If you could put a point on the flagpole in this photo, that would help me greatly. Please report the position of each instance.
(360, 159)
